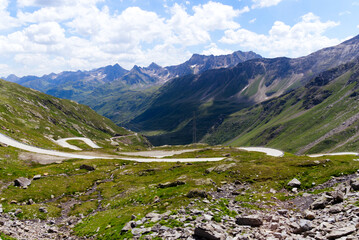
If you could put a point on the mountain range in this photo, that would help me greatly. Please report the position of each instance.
(118, 93)
(205, 97)
(212, 96)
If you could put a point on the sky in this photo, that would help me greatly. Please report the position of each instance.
(43, 36)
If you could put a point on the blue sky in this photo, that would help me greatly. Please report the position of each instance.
(42, 36)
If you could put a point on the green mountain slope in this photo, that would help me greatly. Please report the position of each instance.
(33, 117)
(322, 116)
(215, 94)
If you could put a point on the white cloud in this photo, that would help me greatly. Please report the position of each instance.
(213, 49)
(345, 13)
(253, 20)
(71, 35)
(6, 21)
(265, 3)
(283, 40)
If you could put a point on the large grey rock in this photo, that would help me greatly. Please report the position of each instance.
(22, 182)
(301, 226)
(294, 183)
(354, 183)
(171, 184)
(154, 217)
(341, 232)
(252, 220)
(128, 226)
(338, 196)
(320, 203)
(210, 231)
(36, 177)
(309, 215)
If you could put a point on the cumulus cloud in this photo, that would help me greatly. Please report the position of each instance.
(213, 49)
(71, 35)
(7, 21)
(283, 40)
(265, 3)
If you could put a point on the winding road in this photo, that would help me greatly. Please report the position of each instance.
(13, 143)
(156, 156)
(63, 143)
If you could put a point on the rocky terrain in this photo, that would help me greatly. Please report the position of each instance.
(326, 211)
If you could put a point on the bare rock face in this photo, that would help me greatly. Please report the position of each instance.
(22, 182)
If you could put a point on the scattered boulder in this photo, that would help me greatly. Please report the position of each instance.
(18, 211)
(294, 183)
(320, 202)
(87, 167)
(128, 226)
(22, 182)
(154, 217)
(302, 226)
(252, 220)
(30, 202)
(197, 193)
(36, 177)
(338, 197)
(309, 215)
(170, 184)
(43, 209)
(354, 183)
(210, 231)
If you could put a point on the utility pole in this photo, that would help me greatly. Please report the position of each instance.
(194, 128)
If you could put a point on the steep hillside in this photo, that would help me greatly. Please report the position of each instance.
(214, 94)
(33, 117)
(322, 116)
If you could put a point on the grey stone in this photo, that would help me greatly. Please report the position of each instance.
(22, 182)
(320, 203)
(338, 196)
(354, 183)
(294, 183)
(154, 217)
(170, 184)
(252, 220)
(210, 231)
(128, 226)
(17, 212)
(335, 209)
(309, 215)
(36, 177)
(43, 209)
(341, 232)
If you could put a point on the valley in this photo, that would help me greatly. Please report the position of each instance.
(222, 147)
